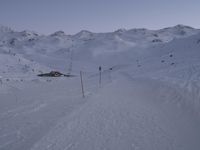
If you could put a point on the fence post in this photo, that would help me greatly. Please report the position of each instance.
(99, 76)
(82, 84)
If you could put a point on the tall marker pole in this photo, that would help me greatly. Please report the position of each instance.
(99, 76)
(82, 84)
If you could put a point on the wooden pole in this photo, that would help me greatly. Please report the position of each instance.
(99, 76)
(82, 84)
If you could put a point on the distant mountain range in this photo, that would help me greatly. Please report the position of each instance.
(30, 52)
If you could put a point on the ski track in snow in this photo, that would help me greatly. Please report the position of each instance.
(27, 120)
(121, 116)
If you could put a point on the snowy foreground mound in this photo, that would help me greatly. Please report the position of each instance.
(148, 98)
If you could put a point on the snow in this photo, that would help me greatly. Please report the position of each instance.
(121, 116)
(148, 99)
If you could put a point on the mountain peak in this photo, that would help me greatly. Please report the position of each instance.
(27, 33)
(181, 26)
(122, 30)
(58, 33)
(84, 34)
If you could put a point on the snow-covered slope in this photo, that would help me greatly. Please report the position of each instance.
(58, 50)
(121, 116)
(148, 98)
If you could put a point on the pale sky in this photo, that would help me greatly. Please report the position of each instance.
(71, 16)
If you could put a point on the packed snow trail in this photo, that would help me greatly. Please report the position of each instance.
(126, 114)
(29, 110)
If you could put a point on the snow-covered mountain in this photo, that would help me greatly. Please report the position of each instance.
(58, 49)
(146, 99)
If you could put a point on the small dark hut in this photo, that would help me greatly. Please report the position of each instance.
(54, 74)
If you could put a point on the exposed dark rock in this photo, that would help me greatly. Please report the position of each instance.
(156, 40)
